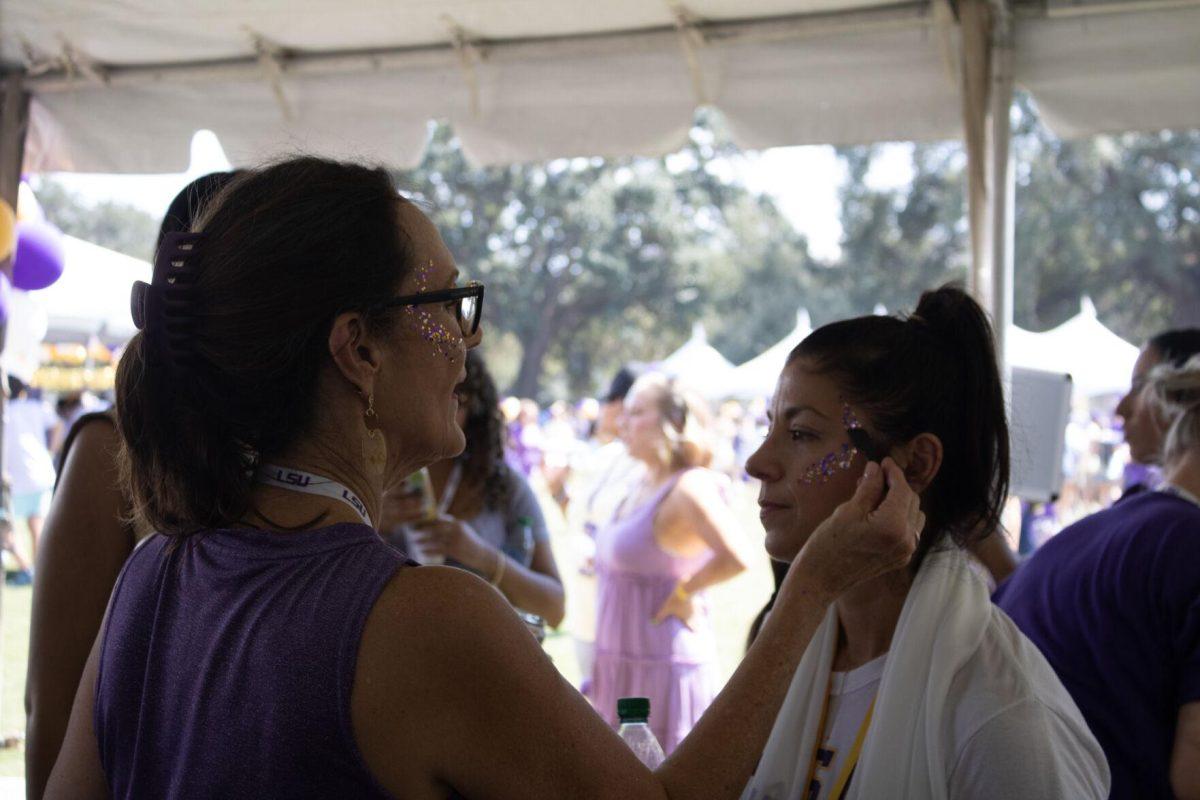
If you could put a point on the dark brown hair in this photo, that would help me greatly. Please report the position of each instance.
(285, 249)
(483, 458)
(934, 372)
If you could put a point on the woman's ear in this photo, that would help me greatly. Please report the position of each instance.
(921, 459)
(355, 353)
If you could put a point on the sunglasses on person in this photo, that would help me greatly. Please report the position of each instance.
(467, 301)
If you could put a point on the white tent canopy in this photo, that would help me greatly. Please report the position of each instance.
(92, 296)
(699, 365)
(120, 87)
(1099, 361)
(757, 377)
(90, 300)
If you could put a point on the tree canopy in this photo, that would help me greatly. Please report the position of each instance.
(593, 262)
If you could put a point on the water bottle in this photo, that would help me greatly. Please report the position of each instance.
(633, 713)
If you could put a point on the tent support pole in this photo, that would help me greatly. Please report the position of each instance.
(14, 122)
(1001, 180)
(975, 26)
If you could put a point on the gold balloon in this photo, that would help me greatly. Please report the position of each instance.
(8, 230)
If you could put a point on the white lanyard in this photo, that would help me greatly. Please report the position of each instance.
(451, 488)
(300, 481)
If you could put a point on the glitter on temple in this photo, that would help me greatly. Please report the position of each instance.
(849, 420)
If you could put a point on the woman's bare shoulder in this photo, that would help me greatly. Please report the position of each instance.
(433, 612)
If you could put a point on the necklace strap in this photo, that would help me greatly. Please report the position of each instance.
(296, 480)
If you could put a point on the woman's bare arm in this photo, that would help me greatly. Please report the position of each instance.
(83, 547)
(1185, 757)
(451, 691)
(77, 773)
(537, 588)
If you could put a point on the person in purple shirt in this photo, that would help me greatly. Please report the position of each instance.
(298, 354)
(1113, 601)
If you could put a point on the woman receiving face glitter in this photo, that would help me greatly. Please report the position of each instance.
(914, 668)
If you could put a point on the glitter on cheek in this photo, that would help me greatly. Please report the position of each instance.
(821, 471)
(448, 344)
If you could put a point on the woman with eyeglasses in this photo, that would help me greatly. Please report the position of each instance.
(487, 518)
(298, 353)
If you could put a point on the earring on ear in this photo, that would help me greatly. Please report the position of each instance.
(374, 448)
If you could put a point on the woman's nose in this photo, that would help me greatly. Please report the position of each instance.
(761, 466)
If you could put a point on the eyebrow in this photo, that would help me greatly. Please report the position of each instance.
(453, 279)
(794, 411)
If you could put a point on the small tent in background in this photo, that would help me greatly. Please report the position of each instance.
(87, 307)
(699, 365)
(1099, 361)
(757, 377)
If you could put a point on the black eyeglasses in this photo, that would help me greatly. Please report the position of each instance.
(467, 300)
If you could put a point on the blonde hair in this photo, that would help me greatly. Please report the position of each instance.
(1176, 393)
(686, 421)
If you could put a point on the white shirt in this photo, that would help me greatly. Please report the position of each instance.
(26, 455)
(1005, 742)
(850, 696)
(967, 708)
(996, 738)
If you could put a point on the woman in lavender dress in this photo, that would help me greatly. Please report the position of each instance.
(670, 539)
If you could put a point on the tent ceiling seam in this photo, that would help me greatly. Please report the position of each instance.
(469, 54)
(270, 60)
(691, 40)
(297, 62)
(1090, 8)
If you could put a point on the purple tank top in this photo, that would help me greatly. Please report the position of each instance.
(228, 660)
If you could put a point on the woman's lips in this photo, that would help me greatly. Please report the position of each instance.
(765, 508)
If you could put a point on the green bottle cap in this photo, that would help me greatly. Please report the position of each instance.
(633, 709)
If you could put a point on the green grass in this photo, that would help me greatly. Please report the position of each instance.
(14, 629)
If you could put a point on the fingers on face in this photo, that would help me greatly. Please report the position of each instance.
(869, 486)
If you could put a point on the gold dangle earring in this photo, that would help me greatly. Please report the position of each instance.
(374, 448)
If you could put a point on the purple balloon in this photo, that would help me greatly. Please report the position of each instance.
(40, 255)
(5, 295)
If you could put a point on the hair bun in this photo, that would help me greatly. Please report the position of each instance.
(1177, 388)
(947, 308)
(1176, 391)
(957, 321)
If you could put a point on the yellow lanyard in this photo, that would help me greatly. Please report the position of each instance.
(843, 778)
